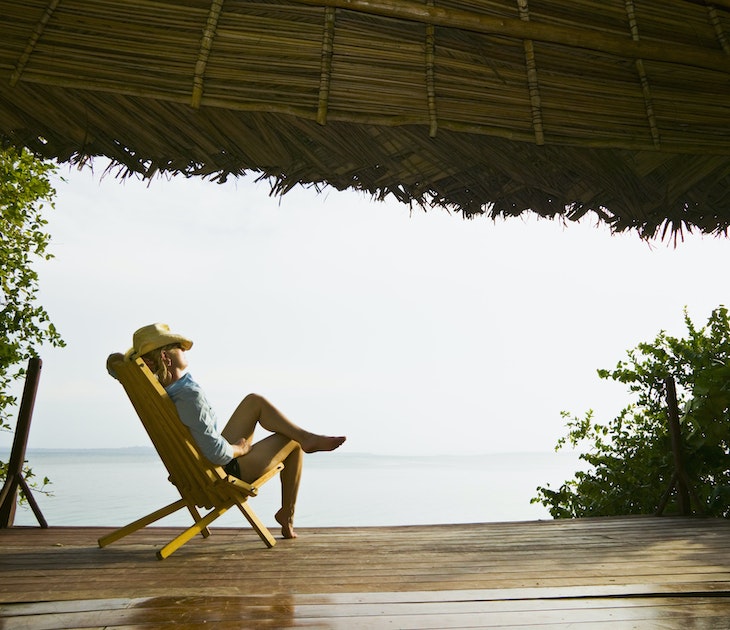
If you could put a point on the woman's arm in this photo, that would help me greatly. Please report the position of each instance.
(242, 447)
(197, 415)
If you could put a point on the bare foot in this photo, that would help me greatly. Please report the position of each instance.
(287, 527)
(314, 443)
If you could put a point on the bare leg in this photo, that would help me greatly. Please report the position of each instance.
(266, 454)
(286, 445)
(290, 478)
(255, 409)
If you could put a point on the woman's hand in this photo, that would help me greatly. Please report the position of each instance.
(242, 447)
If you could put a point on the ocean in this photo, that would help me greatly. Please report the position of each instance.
(112, 487)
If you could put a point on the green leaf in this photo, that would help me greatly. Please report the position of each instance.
(25, 192)
(630, 461)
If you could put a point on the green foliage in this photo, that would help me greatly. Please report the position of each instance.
(630, 462)
(24, 324)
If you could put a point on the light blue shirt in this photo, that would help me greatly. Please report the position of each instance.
(199, 417)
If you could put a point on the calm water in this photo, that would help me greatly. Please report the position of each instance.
(113, 487)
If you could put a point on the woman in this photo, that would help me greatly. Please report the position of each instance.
(164, 353)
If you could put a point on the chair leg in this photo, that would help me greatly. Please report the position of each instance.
(142, 522)
(191, 532)
(201, 525)
(257, 524)
(196, 517)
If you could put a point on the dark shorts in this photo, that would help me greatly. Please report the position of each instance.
(232, 468)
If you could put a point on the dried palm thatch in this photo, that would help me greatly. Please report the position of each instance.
(560, 107)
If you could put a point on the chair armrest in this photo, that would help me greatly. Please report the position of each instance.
(253, 488)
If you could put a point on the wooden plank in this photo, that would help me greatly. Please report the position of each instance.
(289, 611)
(631, 557)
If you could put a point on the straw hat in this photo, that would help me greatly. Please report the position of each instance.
(155, 336)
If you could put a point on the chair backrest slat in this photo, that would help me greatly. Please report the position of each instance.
(196, 478)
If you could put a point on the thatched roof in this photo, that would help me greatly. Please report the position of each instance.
(620, 107)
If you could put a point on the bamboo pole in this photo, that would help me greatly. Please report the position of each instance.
(431, 77)
(30, 46)
(532, 83)
(712, 144)
(589, 39)
(205, 46)
(643, 78)
(717, 25)
(328, 38)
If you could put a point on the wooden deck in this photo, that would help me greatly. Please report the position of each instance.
(615, 573)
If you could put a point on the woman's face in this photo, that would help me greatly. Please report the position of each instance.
(176, 356)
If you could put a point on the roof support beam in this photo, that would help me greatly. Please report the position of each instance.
(205, 45)
(645, 87)
(431, 77)
(717, 25)
(532, 82)
(509, 27)
(32, 41)
(325, 77)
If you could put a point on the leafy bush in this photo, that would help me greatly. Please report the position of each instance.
(630, 462)
(24, 324)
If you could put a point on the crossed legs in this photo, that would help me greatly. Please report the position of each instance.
(287, 445)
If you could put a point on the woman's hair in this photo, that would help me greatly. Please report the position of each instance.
(153, 358)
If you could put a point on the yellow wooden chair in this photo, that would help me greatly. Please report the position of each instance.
(199, 482)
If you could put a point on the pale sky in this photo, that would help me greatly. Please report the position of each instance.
(410, 332)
